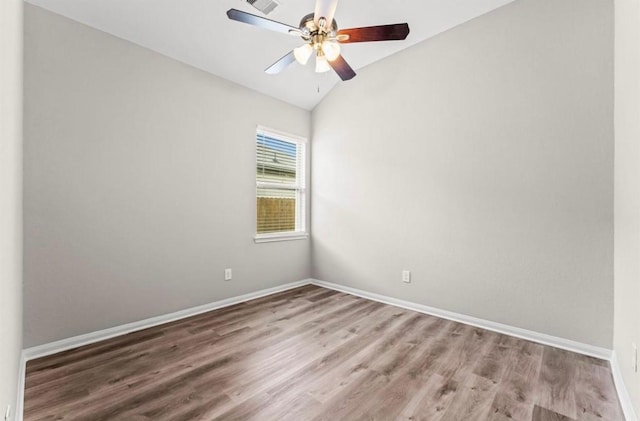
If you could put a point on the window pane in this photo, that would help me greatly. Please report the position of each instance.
(276, 210)
(276, 160)
(280, 182)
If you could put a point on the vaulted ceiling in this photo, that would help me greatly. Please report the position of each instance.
(197, 32)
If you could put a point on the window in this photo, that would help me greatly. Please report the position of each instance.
(280, 186)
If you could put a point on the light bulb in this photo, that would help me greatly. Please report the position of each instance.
(322, 65)
(303, 53)
(331, 50)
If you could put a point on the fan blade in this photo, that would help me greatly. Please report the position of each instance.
(398, 31)
(342, 68)
(281, 64)
(325, 9)
(265, 23)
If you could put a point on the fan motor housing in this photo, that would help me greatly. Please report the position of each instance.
(307, 24)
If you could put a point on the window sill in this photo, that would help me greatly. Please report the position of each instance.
(281, 236)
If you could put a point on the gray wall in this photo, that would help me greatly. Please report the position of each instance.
(139, 183)
(482, 161)
(627, 191)
(10, 200)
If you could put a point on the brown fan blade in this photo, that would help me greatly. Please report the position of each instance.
(342, 68)
(240, 16)
(398, 31)
(281, 64)
(325, 9)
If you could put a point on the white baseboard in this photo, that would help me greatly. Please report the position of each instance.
(529, 335)
(542, 338)
(100, 335)
(20, 399)
(77, 341)
(623, 394)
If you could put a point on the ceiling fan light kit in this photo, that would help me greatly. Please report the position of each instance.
(322, 64)
(331, 49)
(303, 53)
(322, 38)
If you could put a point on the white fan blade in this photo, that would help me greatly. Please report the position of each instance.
(325, 9)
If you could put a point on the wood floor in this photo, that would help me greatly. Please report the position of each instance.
(317, 354)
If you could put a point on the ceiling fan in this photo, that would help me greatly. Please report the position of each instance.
(320, 33)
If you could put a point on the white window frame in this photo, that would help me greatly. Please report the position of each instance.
(300, 187)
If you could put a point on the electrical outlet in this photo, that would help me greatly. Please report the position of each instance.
(634, 357)
(7, 413)
(227, 274)
(406, 276)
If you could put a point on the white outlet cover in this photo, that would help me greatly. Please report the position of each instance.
(406, 276)
(228, 274)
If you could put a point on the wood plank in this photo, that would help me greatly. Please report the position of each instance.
(596, 396)
(431, 400)
(491, 365)
(542, 414)
(516, 393)
(407, 369)
(473, 400)
(557, 382)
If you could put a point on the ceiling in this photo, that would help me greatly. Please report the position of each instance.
(197, 32)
